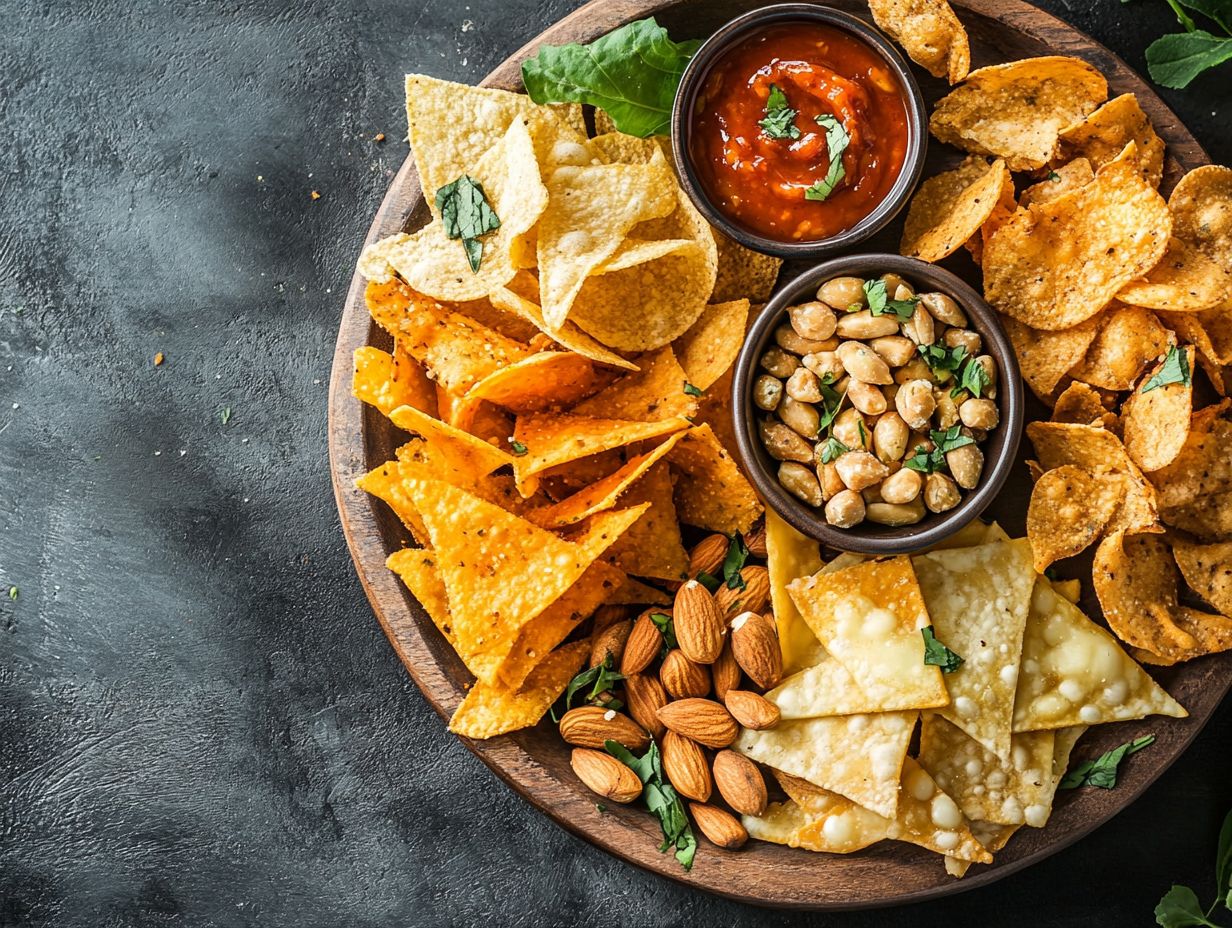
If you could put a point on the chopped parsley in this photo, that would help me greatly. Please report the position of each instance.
(941, 358)
(879, 302)
(1102, 772)
(709, 581)
(831, 403)
(1175, 370)
(780, 121)
(600, 678)
(691, 390)
(1054, 176)
(929, 462)
(467, 215)
(517, 447)
(832, 450)
(937, 654)
(837, 141)
(661, 799)
(667, 629)
(600, 808)
(737, 554)
(974, 379)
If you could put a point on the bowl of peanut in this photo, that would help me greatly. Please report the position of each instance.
(877, 404)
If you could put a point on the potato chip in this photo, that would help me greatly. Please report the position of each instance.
(388, 381)
(709, 348)
(1188, 327)
(789, 555)
(1201, 206)
(1081, 404)
(1129, 339)
(1203, 469)
(652, 546)
(1136, 580)
(1058, 263)
(1211, 632)
(857, 756)
(742, 274)
(1005, 208)
(492, 709)
(978, 599)
(949, 208)
(1069, 509)
(1155, 422)
(568, 336)
(870, 617)
(1067, 178)
(1016, 111)
(710, 492)
(1045, 357)
(1208, 571)
(1103, 135)
(654, 393)
(929, 33)
(1184, 280)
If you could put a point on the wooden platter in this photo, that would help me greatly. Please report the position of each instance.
(535, 762)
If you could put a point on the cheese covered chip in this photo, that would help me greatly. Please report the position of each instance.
(790, 555)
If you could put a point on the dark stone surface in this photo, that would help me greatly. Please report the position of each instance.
(200, 721)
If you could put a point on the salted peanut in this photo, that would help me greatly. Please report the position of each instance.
(708, 555)
(607, 776)
(755, 540)
(719, 826)
(686, 768)
(802, 418)
(725, 674)
(944, 309)
(859, 469)
(866, 397)
(940, 493)
(865, 325)
(895, 350)
(890, 437)
(831, 482)
(803, 386)
(850, 428)
(610, 643)
(889, 391)
(778, 362)
(871, 495)
(767, 391)
(920, 328)
(812, 320)
(915, 369)
(644, 697)
(965, 337)
(682, 677)
(946, 412)
(965, 464)
(979, 414)
(824, 364)
(740, 783)
(784, 444)
(843, 293)
(915, 403)
(990, 370)
(895, 514)
(800, 482)
(789, 339)
(902, 487)
(845, 509)
(894, 283)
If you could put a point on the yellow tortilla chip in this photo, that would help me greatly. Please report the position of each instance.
(1155, 423)
(654, 393)
(1208, 571)
(1065, 179)
(1045, 357)
(1129, 339)
(709, 348)
(1016, 111)
(1201, 206)
(1184, 280)
(1103, 135)
(929, 33)
(710, 491)
(742, 274)
(851, 828)
(949, 208)
(417, 568)
(826, 688)
(1203, 469)
(568, 335)
(652, 546)
(714, 410)
(790, 555)
(547, 380)
(1069, 509)
(1081, 404)
(635, 593)
(388, 381)
(991, 837)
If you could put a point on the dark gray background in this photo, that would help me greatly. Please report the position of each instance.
(200, 720)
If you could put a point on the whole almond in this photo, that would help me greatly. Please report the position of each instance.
(643, 645)
(610, 641)
(605, 775)
(751, 709)
(699, 624)
(722, 828)
(708, 556)
(684, 762)
(683, 678)
(740, 783)
(644, 697)
(591, 726)
(755, 540)
(725, 672)
(756, 648)
(606, 616)
(753, 597)
(703, 720)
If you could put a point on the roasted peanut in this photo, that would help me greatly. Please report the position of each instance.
(778, 362)
(767, 391)
(802, 417)
(893, 282)
(812, 320)
(890, 437)
(842, 293)
(965, 337)
(845, 509)
(803, 386)
(895, 513)
(965, 464)
(914, 402)
(944, 309)
(946, 412)
(783, 444)
(862, 363)
(915, 369)
(859, 469)
(920, 327)
(800, 482)
(850, 429)
(789, 339)
(940, 493)
(979, 414)
(824, 364)
(831, 483)
(990, 371)
(902, 487)
(866, 397)
(864, 324)
(895, 350)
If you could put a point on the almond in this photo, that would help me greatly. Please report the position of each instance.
(725, 672)
(605, 775)
(756, 648)
(683, 678)
(644, 697)
(709, 555)
(609, 615)
(753, 597)
(740, 783)
(684, 762)
(703, 720)
(610, 641)
(751, 710)
(722, 828)
(643, 645)
(591, 726)
(755, 540)
(698, 623)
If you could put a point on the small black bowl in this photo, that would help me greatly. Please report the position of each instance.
(999, 451)
(737, 30)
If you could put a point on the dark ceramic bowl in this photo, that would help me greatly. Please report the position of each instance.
(695, 77)
(999, 450)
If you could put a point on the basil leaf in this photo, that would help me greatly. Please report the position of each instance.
(1102, 772)
(661, 799)
(1175, 370)
(631, 74)
(832, 450)
(737, 554)
(925, 461)
(709, 581)
(974, 378)
(599, 678)
(780, 118)
(937, 654)
(467, 215)
(691, 390)
(1175, 60)
(1180, 908)
(837, 141)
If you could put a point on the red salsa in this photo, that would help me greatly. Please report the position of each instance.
(771, 113)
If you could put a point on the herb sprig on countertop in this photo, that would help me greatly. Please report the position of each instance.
(1180, 907)
(1174, 60)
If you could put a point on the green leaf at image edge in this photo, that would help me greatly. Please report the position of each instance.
(1223, 863)
(1175, 60)
(1179, 908)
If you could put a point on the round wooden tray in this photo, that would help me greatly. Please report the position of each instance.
(535, 762)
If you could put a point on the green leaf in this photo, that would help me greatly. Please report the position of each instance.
(1179, 907)
(666, 628)
(737, 554)
(600, 808)
(225, 415)
(1102, 772)
(950, 439)
(691, 390)
(937, 654)
(1218, 10)
(832, 402)
(925, 461)
(709, 581)
(1175, 60)
(780, 118)
(1053, 175)
(1175, 370)
(837, 141)
(832, 450)
(631, 73)
(645, 767)
(942, 358)
(1223, 863)
(14, 593)
(879, 302)
(467, 215)
(974, 378)
(661, 799)
(517, 447)
(599, 678)
(1181, 16)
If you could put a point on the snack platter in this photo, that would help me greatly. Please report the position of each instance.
(537, 762)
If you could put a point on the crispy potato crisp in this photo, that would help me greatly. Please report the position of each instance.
(949, 208)
(1103, 135)
(1208, 571)
(1201, 208)
(1129, 339)
(929, 33)
(1185, 280)
(1155, 419)
(1069, 509)
(1071, 176)
(1081, 404)
(1044, 357)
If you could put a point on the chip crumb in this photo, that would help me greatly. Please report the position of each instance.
(379, 137)
(158, 359)
(316, 194)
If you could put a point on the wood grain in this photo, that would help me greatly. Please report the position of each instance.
(535, 762)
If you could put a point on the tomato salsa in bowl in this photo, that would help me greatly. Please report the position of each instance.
(799, 130)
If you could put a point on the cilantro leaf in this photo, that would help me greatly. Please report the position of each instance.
(1180, 908)
(631, 73)
(832, 450)
(950, 439)
(691, 390)
(837, 141)
(1175, 370)
(1102, 772)
(517, 447)
(1054, 176)
(780, 121)
(941, 358)
(599, 678)
(661, 799)
(467, 215)
(925, 461)
(666, 627)
(937, 654)
(1175, 60)
(974, 378)
(737, 554)
(832, 402)
(709, 581)
(879, 302)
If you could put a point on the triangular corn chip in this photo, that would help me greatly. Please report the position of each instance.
(652, 546)
(654, 393)
(463, 450)
(790, 555)
(827, 688)
(388, 381)
(709, 347)
(711, 493)
(547, 380)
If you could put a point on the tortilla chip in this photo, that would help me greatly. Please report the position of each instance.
(714, 410)
(635, 593)
(826, 688)
(857, 756)
(710, 492)
(949, 208)
(1058, 263)
(652, 546)
(652, 394)
(1201, 206)
(1065, 179)
(1069, 509)
(978, 599)
(547, 380)
(462, 450)
(1080, 404)
(790, 555)
(1103, 135)
(742, 274)
(850, 827)
(1208, 571)
(568, 335)
(417, 568)
(709, 348)
(992, 838)
(1155, 423)
(1184, 280)
(1075, 673)
(870, 617)
(1016, 111)
(1045, 357)
(388, 381)
(929, 33)
(1129, 339)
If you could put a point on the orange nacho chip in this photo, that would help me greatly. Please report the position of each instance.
(568, 335)
(949, 208)
(547, 380)
(461, 449)
(652, 546)
(388, 381)
(709, 348)
(652, 394)
(710, 491)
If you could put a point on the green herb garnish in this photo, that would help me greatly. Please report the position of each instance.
(832, 450)
(1175, 370)
(780, 121)
(467, 215)
(1102, 772)
(937, 654)
(879, 302)
(691, 390)
(1180, 907)
(1174, 60)
(14, 593)
(517, 447)
(737, 554)
(661, 799)
(929, 462)
(837, 141)
(941, 358)
(1054, 176)
(600, 678)
(224, 415)
(709, 581)
(974, 379)
(667, 629)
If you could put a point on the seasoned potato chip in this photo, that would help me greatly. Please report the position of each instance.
(1081, 404)
(1001, 213)
(949, 208)
(1045, 357)
(789, 555)
(1103, 135)
(1189, 328)
(1201, 207)
(742, 273)
(1069, 509)
(1016, 111)
(388, 381)
(1067, 178)
(1184, 280)
(1136, 580)
(1155, 422)
(568, 335)
(929, 33)
(652, 546)
(711, 493)
(1058, 263)
(1203, 469)
(654, 393)
(1129, 339)
(1208, 571)
(709, 347)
